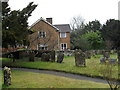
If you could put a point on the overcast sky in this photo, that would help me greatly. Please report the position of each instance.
(62, 11)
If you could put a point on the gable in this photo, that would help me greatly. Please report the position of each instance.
(37, 23)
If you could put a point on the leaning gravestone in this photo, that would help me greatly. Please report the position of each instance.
(45, 57)
(60, 57)
(80, 58)
(7, 76)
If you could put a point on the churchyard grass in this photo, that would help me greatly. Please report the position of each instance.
(21, 79)
(3, 59)
(93, 66)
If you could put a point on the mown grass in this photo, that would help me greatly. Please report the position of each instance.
(93, 66)
(0, 80)
(4, 59)
(21, 79)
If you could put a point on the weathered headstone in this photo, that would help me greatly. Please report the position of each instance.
(112, 61)
(31, 56)
(7, 76)
(102, 60)
(60, 57)
(12, 57)
(93, 53)
(106, 54)
(80, 58)
(52, 56)
(45, 57)
(87, 54)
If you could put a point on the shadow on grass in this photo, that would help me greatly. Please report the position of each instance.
(4, 86)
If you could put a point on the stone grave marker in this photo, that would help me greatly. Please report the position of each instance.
(80, 58)
(60, 57)
(7, 76)
(45, 57)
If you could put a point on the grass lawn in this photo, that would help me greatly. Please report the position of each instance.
(21, 79)
(93, 67)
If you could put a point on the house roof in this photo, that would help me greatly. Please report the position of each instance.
(63, 27)
(59, 27)
(41, 19)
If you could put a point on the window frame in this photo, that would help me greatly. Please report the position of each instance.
(41, 34)
(63, 48)
(62, 33)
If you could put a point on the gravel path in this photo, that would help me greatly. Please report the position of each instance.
(63, 74)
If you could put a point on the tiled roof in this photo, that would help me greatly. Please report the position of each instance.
(63, 27)
(41, 19)
(60, 27)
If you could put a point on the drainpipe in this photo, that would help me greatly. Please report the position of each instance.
(58, 41)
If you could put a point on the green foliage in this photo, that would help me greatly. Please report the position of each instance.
(93, 26)
(78, 42)
(110, 31)
(15, 25)
(87, 41)
(89, 37)
(95, 40)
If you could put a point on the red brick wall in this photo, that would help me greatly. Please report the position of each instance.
(51, 36)
(66, 40)
(52, 39)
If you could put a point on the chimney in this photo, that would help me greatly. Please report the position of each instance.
(49, 20)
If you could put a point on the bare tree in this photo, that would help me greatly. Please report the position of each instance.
(77, 23)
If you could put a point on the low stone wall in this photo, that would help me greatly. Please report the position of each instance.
(67, 52)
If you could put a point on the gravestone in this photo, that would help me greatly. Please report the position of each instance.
(87, 54)
(52, 56)
(31, 56)
(93, 53)
(60, 57)
(80, 58)
(112, 61)
(12, 57)
(45, 57)
(7, 76)
(102, 60)
(106, 55)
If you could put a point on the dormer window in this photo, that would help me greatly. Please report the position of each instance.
(63, 35)
(41, 34)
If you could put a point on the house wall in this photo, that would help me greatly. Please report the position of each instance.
(51, 36)
(66, 40)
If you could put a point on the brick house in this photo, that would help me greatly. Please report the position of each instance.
(47, 36)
